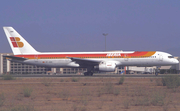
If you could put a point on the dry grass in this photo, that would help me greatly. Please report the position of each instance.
(126, 104)
(46, 81)
(7, 77)
(27, 91)
(87, 94)
(23, 108)
(2, 99)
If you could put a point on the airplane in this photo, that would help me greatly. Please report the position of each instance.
(101, 61)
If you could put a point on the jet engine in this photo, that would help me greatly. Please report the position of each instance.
(106, 67)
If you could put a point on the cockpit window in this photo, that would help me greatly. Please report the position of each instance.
(170, 57)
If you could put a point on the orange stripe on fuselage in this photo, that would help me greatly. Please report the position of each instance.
(60, 55)
(150, 53)
(124, 55)
(137, 53)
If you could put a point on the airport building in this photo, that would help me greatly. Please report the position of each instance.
(18, 68)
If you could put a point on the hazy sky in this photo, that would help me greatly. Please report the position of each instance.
(77, 25)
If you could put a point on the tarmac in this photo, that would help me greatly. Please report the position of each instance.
(94, 75)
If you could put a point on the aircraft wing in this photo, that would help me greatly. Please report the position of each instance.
(15, 58)
(85, 61)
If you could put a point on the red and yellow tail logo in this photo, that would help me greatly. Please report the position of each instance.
(16, 42)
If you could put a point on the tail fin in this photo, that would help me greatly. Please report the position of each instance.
(18, 44)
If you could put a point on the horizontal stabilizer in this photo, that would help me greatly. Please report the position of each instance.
(15, 58)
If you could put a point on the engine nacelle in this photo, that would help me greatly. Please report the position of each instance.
(106, 67)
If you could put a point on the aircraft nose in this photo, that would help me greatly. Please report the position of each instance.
(176, 61)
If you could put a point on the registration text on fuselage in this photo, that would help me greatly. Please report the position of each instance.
(113, 54)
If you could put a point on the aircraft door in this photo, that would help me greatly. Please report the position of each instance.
(36, 58)
(125, 58)
(160, 57)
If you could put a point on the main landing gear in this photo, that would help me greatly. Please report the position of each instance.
(88, 73)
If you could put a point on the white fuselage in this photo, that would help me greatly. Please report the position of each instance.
(104, 61)
(157, 59)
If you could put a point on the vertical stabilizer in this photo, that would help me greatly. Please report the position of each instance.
(18, 44)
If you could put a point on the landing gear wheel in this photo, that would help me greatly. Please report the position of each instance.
(85, 74)
(157, 70)
(156, 73)
(88, 74)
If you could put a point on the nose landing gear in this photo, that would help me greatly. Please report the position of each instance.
(157, 71)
